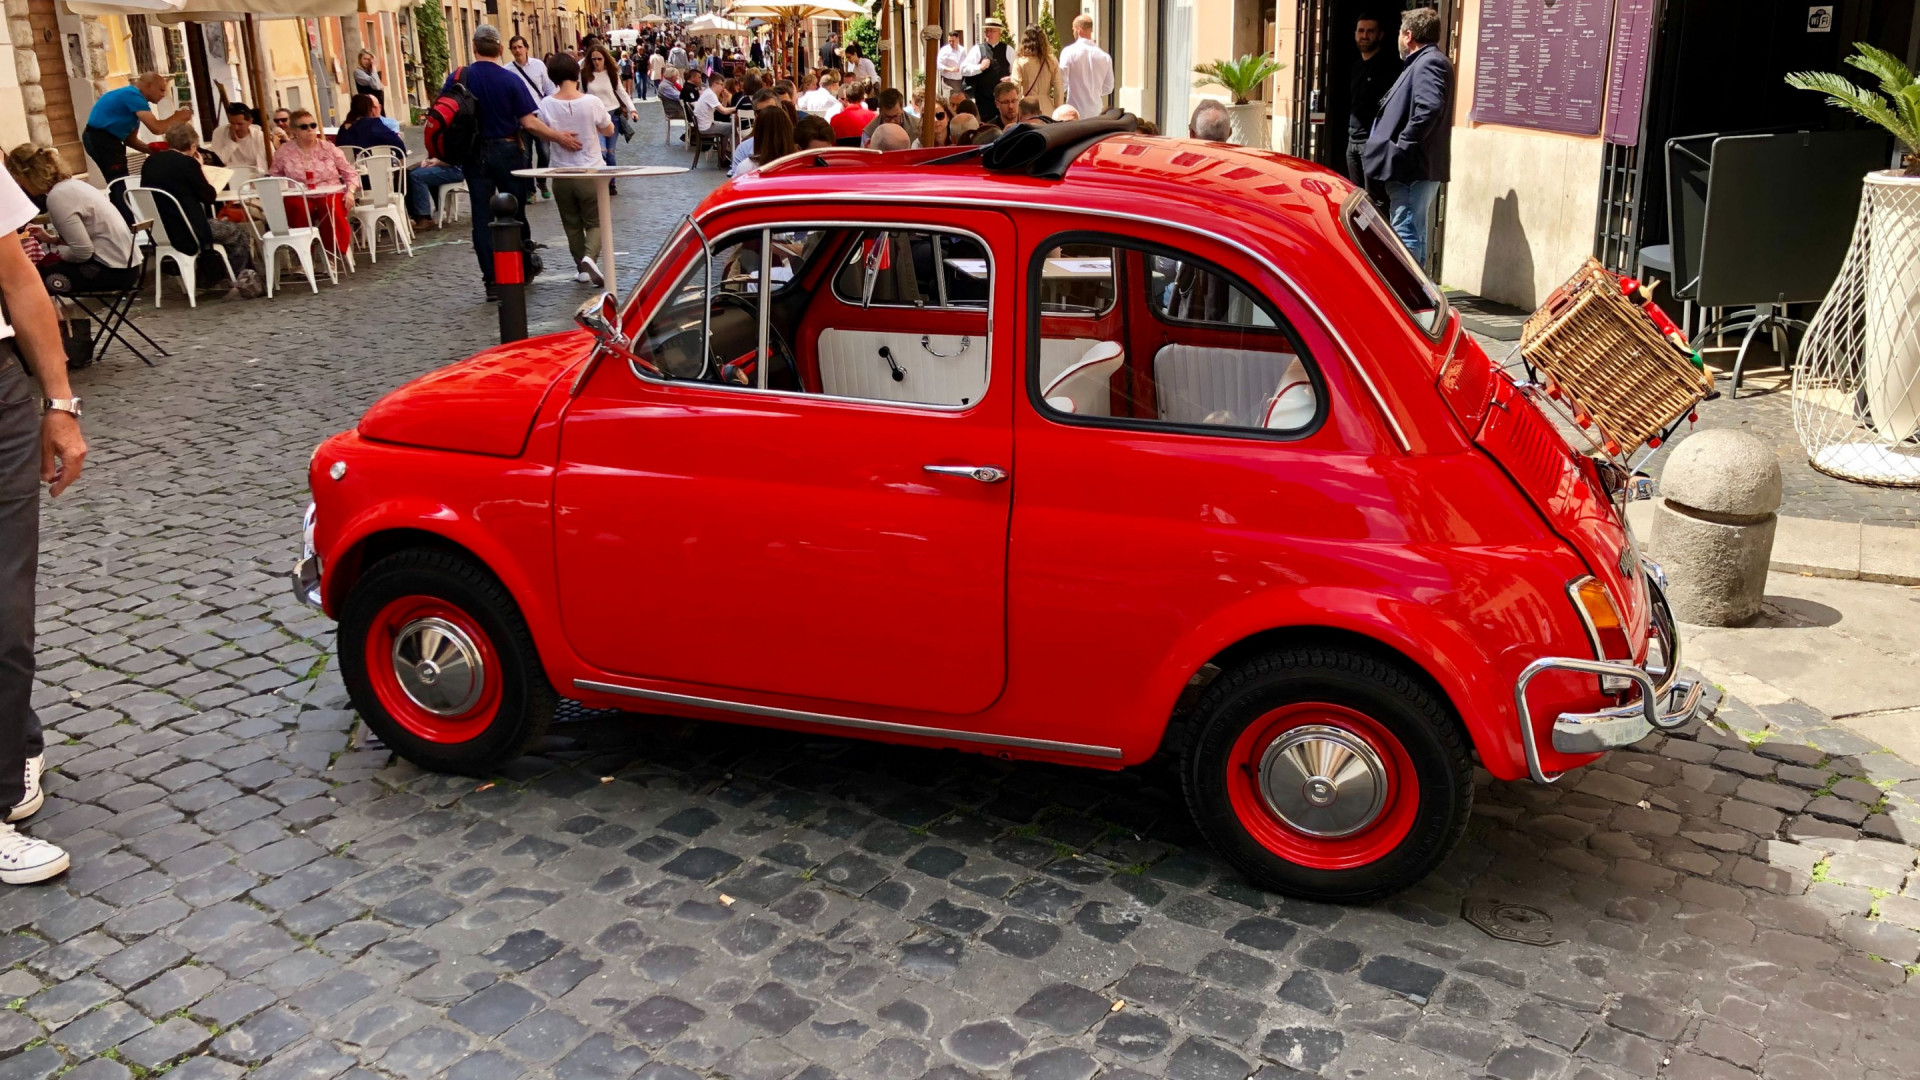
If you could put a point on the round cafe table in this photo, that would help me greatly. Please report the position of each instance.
(602, 176)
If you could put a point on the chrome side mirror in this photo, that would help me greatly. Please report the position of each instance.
(601, 316)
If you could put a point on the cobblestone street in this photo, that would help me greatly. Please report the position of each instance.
(256, 891)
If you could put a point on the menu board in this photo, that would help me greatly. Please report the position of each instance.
(1542, 64)
(1627, 72)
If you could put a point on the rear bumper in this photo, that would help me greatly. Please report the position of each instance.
(306, 572)
(1666, 699)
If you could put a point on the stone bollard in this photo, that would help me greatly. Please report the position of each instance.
(1713, 529)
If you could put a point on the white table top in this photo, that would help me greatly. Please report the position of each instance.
(595, 171)
(1057, 268)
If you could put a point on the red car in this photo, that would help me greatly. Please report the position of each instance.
(1144, 446)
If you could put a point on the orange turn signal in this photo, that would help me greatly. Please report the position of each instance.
(1605, 628)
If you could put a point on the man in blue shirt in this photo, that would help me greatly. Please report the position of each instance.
(506, 108)
(115, 122)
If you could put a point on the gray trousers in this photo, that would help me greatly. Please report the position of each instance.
(20, 736)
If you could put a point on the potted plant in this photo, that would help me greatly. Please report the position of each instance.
(1879, 280)
(1242, 79)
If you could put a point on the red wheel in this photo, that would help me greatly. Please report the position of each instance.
(440, 664)
(433, 668)
(1322, 785)
(1332, 775)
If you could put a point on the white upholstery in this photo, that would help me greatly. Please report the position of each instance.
(1088, 383)
(1059, 354)
(1205, 385)
(146, 206)
(1293, 402)
(851, 366)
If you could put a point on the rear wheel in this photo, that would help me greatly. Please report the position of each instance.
(1327, 774)
(440, 663)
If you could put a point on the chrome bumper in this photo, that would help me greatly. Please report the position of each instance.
(1666, 699)
(306, 572)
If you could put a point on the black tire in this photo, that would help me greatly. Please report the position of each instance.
(525, 700)
(1399, 705)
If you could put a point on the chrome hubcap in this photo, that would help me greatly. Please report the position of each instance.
(1323, 781)
(438, 666)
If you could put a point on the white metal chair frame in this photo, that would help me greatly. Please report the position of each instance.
(271, 193)
(383, 199)
(446, 198)
(146, 204)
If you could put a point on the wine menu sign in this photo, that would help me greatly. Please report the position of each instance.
(1543, 64)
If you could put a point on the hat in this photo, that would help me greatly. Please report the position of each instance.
(993, 24)
(486, 32)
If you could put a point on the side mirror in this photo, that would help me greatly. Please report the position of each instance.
(601, 316)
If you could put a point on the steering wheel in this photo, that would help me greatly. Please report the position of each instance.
(779, 353)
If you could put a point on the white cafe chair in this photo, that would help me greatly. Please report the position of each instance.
(146, 206)
(449, 198)
(1085, 388)
(278, 235)
(383, 199)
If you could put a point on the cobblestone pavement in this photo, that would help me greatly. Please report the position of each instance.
(254, 891)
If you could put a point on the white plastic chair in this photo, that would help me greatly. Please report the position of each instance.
(271, 192)
(1085, 388)
(449, 193)
(383, 199)
(146, 206)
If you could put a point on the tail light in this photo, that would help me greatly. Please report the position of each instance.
(1604, 625)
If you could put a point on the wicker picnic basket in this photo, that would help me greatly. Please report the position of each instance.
(1598, 349)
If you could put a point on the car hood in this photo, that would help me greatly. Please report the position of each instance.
(484, 405)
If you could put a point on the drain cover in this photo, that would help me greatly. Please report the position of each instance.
(1510, 922)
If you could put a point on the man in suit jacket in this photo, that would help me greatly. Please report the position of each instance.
(1408, 148)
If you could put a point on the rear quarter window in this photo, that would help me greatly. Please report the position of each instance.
(1419, 297)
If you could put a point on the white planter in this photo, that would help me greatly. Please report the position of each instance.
(1891, 373)
(1250, 124)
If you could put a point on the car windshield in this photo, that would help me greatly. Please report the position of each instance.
(1394, 265)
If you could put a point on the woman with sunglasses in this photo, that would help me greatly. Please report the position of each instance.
(315, 162)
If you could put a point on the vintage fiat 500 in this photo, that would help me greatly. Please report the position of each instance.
(1163, 448)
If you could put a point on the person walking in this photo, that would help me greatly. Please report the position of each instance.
(1373, 76)
(988, 65)
(506, 108)
(1037, 72)
(567, 109)
(534, 71)
(1410, 145)
(677, 56)
(40, 442)
(656, 70)
(116, 120)
(1087, 69)
(600, 77)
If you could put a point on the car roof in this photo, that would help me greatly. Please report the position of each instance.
(1207, 186)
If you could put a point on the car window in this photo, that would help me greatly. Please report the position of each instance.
(1394, 265)
(1079, 279)
(1183, 343)
(841, 334)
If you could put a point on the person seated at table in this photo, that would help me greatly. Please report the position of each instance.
(824, 100)
(709, 116)
(852, 119)
(772, 139)
(178, 172)
(669, 84)
(424, 182)
(813, 133)
(311, 159)
(764, 99)
(890, 137)
(91, 241)
(363, 128)
(239, 143)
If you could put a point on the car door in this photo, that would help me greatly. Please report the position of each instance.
(817, 505)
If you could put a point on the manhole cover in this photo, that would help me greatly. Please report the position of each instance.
(1510, 922)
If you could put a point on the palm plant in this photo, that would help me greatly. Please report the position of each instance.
(1240, 78)
(1898, 112)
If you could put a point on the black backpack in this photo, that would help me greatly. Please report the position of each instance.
(452, 129)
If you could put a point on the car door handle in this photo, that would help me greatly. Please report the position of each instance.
(986, 474)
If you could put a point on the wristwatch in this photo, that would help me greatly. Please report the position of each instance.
(62, 404)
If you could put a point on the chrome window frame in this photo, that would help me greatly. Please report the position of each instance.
(1440, 311)
(940, 261)
(706, 254)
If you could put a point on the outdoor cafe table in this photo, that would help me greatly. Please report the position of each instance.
(603, 177)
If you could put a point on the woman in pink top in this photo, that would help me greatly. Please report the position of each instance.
(310, 159)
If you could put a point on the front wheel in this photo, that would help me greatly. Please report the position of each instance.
(1327, 774)
(440, 664)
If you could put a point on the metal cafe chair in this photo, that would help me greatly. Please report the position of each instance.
(111, 309)
(278, 234)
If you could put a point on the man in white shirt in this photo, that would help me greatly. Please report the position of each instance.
(238, 142)
(952, 55)
(34, 449)
(531, 68)
(823, 102)
(1087, 69)
(709, 116)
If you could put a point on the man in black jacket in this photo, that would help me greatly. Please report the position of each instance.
(1409, 147)
(1373, 76)
(178, 172)
(991, 62)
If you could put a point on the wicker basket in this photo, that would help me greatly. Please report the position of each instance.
(1603, 353)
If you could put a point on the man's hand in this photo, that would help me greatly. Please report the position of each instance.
(63, 451)
(568, 139)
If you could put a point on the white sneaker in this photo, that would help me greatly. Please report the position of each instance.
(31, 803)
(582, 278)
(24, 860)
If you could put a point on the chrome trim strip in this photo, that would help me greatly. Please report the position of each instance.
(849, 721)
(1379, 400)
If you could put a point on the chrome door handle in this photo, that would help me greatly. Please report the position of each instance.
(986, 474)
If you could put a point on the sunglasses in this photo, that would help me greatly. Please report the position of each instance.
(306, 127)
(939, 116)
(280, 120)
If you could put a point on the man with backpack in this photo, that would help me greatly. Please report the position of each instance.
(476, 123)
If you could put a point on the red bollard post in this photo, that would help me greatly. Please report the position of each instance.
(509, 267)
